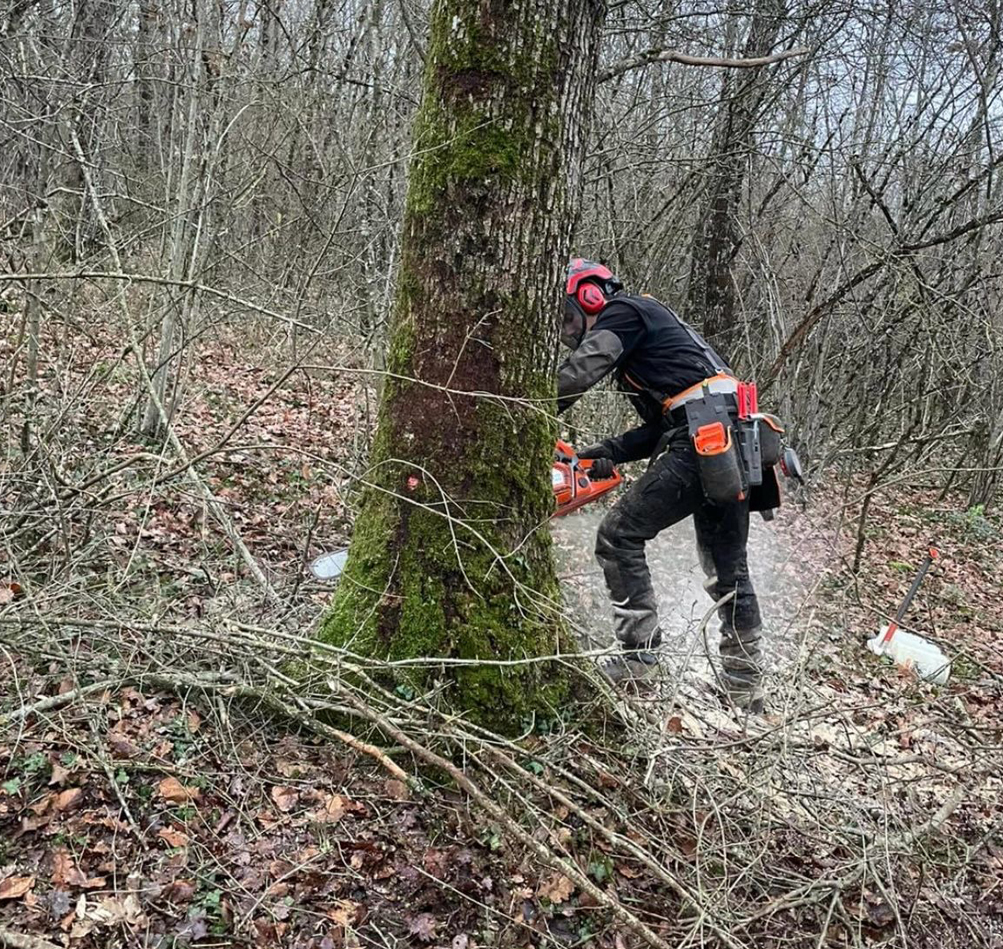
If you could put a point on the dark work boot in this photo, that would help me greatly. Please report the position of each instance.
(636, 659)
(742, 668)
(629, 665)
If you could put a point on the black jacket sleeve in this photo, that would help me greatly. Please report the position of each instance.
(614, 335)
(635, 444)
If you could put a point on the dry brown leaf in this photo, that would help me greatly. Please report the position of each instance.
(122, 746)
(171, 789)
(563, 837)
(41, 806)
(81, 929)
(285, 798)
(194, 722)
(674, 725)
(344, 913)
(332, 811)
(179, 891)
(278, 889)
(881, 915)
(629, 872)
(64, 873)
(173, 837)
(423, 926)
(112, 911)
(163, 749)
(14, 888)
(355, 807)
(59, 774)
(68, 798)
(557, 888)
(396, 790)
(29, 824)
(268, 932)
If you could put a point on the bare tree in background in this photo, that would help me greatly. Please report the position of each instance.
(711, 294)
(195, 130)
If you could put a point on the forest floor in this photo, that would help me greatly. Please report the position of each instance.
(153, 793)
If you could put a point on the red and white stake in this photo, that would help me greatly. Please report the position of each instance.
(931, 555)
(907, 649)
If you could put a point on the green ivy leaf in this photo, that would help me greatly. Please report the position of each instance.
(35, 763)
(601, 869)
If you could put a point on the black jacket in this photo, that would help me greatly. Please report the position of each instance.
(653, 354)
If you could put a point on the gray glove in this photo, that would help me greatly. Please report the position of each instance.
(598, 450)
(602, 468)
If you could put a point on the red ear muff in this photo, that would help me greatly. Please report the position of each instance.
(591, 298)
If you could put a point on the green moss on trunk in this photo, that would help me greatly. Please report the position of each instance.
(451, 555)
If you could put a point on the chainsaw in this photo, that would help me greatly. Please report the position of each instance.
(572, 485)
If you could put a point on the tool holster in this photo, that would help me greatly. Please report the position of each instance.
(737, 446)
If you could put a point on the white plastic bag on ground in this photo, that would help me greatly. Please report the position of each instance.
(911, 651)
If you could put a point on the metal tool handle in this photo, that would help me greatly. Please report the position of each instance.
(931, 555)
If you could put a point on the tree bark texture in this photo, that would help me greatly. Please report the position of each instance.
(451, 554)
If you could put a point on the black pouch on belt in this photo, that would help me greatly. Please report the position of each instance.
(760, 440)
(712, 431)
(771, 436)
(765, 497)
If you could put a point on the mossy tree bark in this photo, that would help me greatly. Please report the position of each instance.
(451, 554)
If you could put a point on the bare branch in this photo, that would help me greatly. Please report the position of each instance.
(674, 56)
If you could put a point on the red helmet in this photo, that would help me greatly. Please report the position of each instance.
(589, 287)
(584, 274)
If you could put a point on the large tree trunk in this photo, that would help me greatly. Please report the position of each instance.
(451, 555)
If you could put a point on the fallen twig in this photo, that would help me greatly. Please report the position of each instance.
(562, 865)
(365, 748)
(53, 702)
(23, 941)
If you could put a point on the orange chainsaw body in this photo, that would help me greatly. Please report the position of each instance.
(572, 485)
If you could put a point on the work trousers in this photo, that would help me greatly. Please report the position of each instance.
(669, 491)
